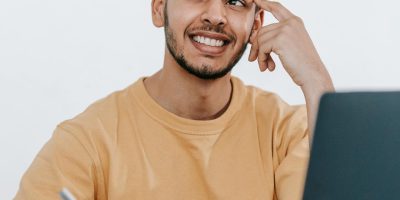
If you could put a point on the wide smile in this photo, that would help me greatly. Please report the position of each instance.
(209, 43)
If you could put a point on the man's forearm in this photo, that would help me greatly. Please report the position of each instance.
(313, 90)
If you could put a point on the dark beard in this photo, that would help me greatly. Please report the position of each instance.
(204, 72)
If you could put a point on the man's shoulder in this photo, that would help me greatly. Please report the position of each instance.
(268, 104)
(101, 117)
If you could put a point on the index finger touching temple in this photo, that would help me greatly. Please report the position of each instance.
(275, 8)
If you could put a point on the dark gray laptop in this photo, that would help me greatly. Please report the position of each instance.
(356, 148)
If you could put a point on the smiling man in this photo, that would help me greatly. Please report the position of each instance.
(192, 131)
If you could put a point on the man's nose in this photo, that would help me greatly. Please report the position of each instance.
(214, 13)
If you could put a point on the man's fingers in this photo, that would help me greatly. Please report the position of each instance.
(275, 8)
(264, 55)
(271, 63)
(253, 53)
(264, 30)
(266, 44)
(265, 62)
(253, 50)
(262, 61)
(269, 28)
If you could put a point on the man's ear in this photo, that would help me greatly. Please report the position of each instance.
(157, 12)
(257, 25)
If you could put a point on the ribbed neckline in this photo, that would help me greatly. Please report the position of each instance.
(184, 125)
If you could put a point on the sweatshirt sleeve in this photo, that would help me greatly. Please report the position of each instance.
(292, 152)
(63, 162)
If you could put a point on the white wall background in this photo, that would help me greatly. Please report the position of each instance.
(57, 57)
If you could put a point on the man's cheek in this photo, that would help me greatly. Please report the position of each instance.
(240, 26)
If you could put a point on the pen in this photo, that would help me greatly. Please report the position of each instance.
(66, 194)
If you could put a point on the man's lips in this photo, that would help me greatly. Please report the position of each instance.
(210, 43)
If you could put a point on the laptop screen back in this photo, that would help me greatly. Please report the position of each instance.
(356, 148)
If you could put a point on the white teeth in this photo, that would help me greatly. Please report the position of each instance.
(213, 42)
(208, 41)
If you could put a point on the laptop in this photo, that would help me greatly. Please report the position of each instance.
(356, 148)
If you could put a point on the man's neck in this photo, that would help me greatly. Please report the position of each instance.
(188, 96)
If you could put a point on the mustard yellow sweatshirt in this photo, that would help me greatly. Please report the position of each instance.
(126, 146)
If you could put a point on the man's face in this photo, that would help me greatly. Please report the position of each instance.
(207, 38)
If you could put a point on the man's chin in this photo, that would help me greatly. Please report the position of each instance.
(207, 72)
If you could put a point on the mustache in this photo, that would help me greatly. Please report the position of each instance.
(213, 28)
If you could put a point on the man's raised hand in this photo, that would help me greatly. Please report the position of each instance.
(290, 41)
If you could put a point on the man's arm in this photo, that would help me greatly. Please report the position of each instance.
(62, 163)
(290, 41)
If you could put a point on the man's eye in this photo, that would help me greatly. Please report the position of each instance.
(236, 3)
